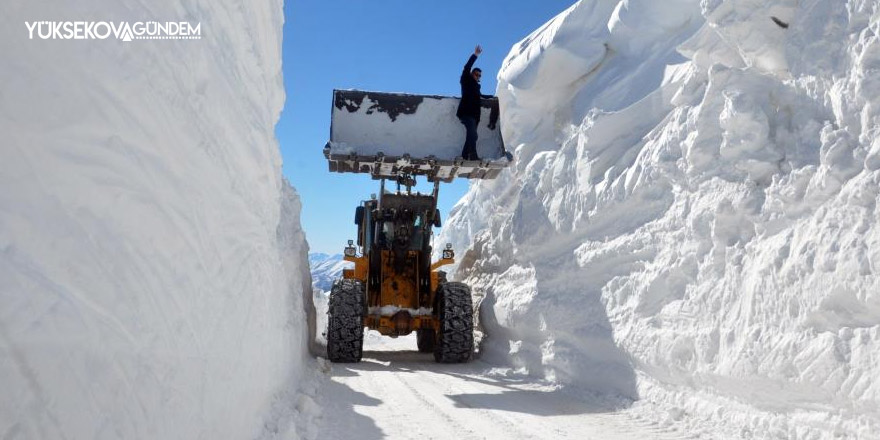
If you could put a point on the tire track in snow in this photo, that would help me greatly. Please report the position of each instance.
(410, 396)
(512, 427)
(408, 409)
(428, 391)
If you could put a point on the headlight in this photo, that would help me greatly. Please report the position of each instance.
(448, 254)
(349, 251)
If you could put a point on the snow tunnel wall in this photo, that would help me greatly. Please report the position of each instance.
(150, 256)
(692, 218)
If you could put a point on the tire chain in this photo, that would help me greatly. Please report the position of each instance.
(455, 343)
(345, 323)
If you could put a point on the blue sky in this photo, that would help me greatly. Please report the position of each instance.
(383, 45)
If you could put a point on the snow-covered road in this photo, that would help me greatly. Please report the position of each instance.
(398, 393)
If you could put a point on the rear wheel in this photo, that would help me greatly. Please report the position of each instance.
(455, 340)
(345, 322)
(425, 339)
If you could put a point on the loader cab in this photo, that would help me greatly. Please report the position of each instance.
(397, 222)
(402, 222)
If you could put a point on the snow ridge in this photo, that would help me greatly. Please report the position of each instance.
(692, 218)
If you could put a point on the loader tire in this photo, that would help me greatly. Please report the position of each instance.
(345, 322)
(455, 340)
(425, 339)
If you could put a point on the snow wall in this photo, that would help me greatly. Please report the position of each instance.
(151, 257)
(692, 219)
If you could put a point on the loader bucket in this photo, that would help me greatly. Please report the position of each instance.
(393, 134)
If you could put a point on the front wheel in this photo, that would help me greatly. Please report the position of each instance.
(455, 340)
(345, 321)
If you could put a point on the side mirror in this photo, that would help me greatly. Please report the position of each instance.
(359, 215)
(437, 222)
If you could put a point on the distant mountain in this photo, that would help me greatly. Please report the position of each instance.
(325, 269)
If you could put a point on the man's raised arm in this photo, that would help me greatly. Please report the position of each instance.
(470, 63)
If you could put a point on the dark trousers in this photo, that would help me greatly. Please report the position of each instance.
(469, 152)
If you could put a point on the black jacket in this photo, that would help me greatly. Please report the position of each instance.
(470, 93)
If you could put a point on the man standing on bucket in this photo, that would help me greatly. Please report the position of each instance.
(469, 107)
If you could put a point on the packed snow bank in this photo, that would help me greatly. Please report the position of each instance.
(692, 220)
(151, 259)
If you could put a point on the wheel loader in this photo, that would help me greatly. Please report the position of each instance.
(394, 286)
